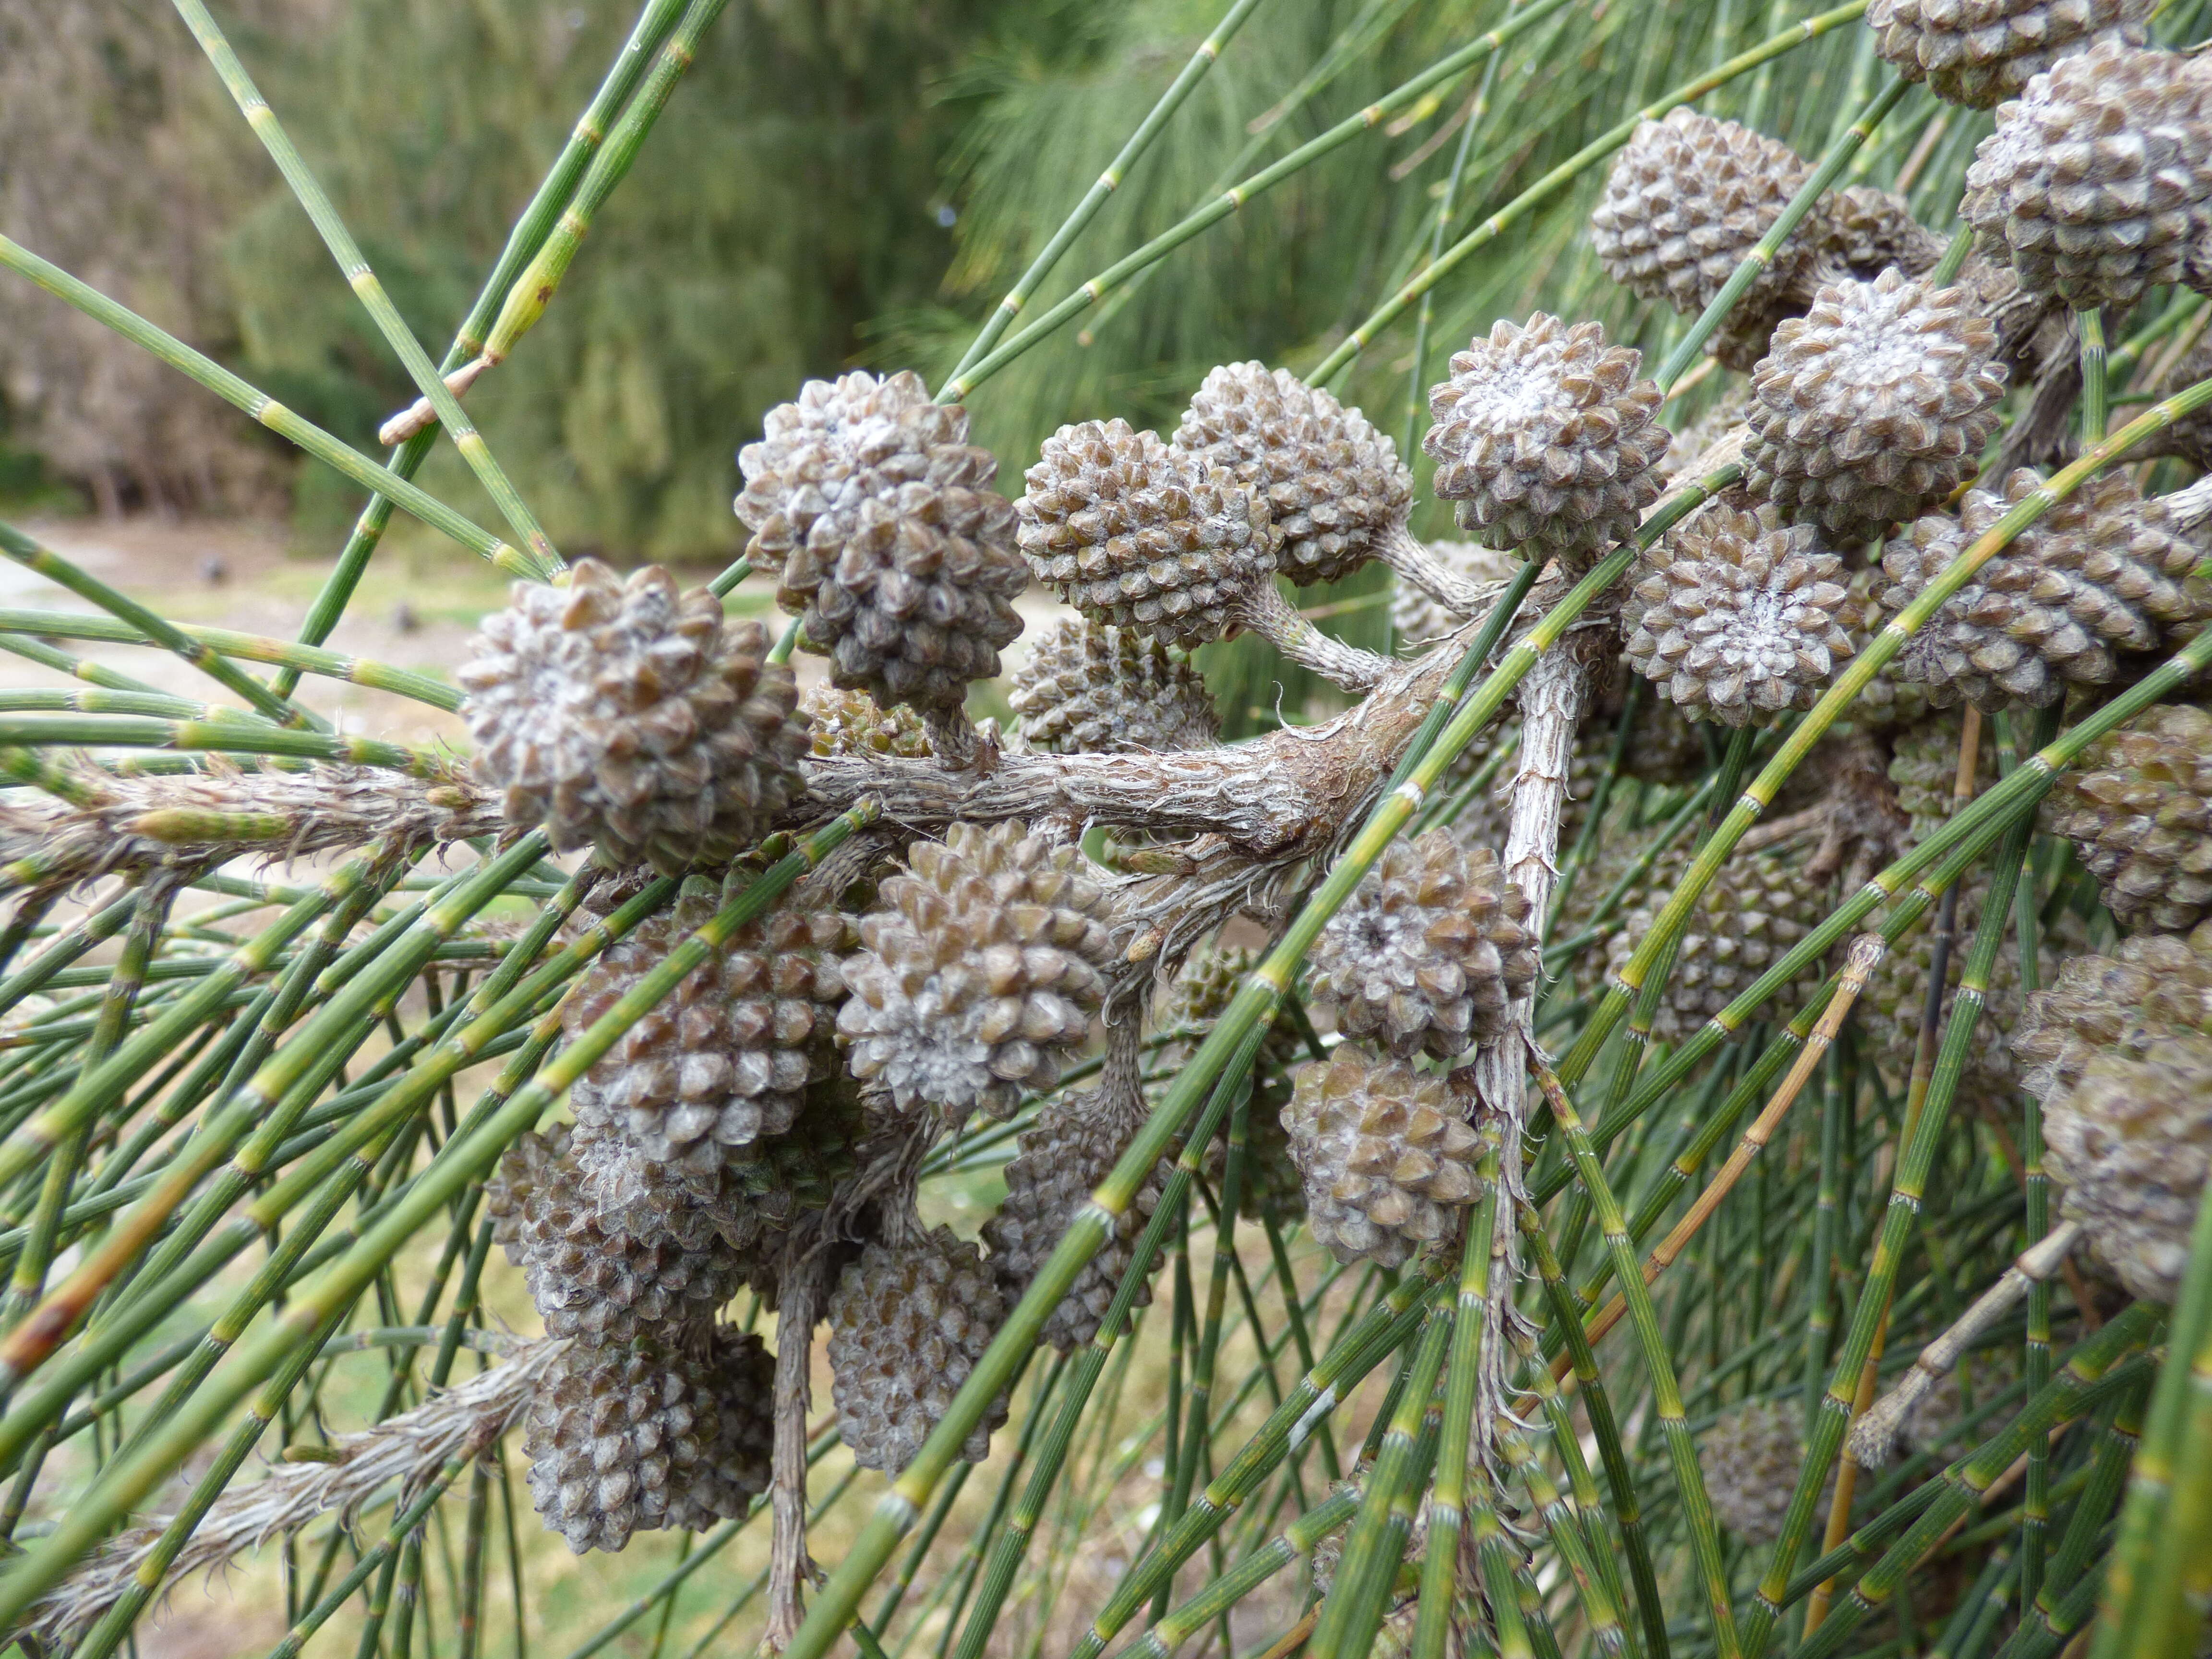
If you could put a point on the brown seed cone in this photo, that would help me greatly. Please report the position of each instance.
(1735, 617)
(623, 715)
(1544, 434)
(1130, 532)
(980, 968)
(2138, 809)
(724, 1060)
(2101, 576)
(1981, 52)
(1687, 198)
(1756, 908)
(1388, 1160)
(2118, 1050)
(632, 1438)
(522, 1170)
(2098, 178)
(1924, 770)
(908, 1322)
(842, 722)
(1872, 407)
(1417, 617)
(1429, 950)
(1089, 688)
(1866, 231)
(1890, 1011)
(1335, 485)
(893, 549)
(1063, 1157)
(592, 1276)
(1751, 1458)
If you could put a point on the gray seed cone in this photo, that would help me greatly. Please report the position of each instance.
(630, 1438)
(1063, 1157)
(1755, 909)
(1866, 231)
(2101, 576)
(892, 547)
(908, 1322)
(1872, 407)
(1335, 485)
(725, 1058)
(600, 1272)
(624, 715)
(980, 968)
(1428, 952)
(1544, 434)
(1132, 532)
(1089, 687)
(1737, 616)
(1751, 1458)
(1924, 770)
(1388, 1162)
(2138, 809)
(2118, 1050)
(1980, 52)
(2096, 182)
(1686, 199)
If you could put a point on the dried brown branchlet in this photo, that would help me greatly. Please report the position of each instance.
(1737, 616)
(625, 715)
(1546, 438)
(892, 547)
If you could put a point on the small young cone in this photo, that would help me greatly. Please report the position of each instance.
(1091, 688)
(2138, 808)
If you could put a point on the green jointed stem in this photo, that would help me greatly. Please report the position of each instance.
(1235, 197)
(1908, 1191)
(354, 267)
(464, 1158)
(653, 22)
(153, 628)
(1354, 1608)
(2101, 1368)
(1566, 173)
(1447, 1503)
(533, 291)
(1106, 183)
(2091, 323)
(2156, 1584)
(261, 407)
(1667, 1395)
(1011, 1543)
(222, 737)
